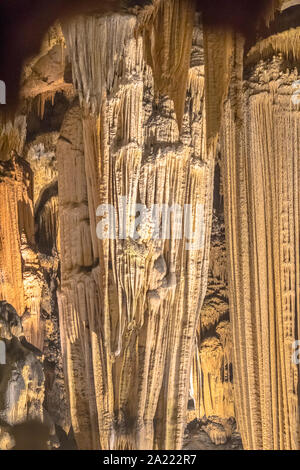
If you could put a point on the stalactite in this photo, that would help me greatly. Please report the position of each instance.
(12, 135)
(33, 284)
(147, 338)
(219, 50)
(127, 318)
(40, 154)
(167, 28)
(48, 226)
(260, 148)
(42, 99)
(98, 70)
(287, 42)
(268, 12)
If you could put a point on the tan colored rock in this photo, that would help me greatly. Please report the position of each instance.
(211, 388)
(16, 219)
(144, 322)
(12, 135)
(261, 180)
(127, 317)
(22, 376)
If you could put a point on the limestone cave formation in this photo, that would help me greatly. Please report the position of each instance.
(150, 225)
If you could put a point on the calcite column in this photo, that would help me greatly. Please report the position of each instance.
(260, 150)
(130, 301)
(78, 297)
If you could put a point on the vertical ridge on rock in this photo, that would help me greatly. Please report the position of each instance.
(167, 28)
(261, 171)
(128, 312)
(218, 52)
(16, 219)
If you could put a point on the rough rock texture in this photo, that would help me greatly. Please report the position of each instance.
(118, 106)
(43, 74)
(29, 261)
(16, 221)
(12, 135)
(29, 280)
(211, 388)
(43, 268)
(167, 29)
(128, 321)
(208, 435)
(260, 148)
(22, 381)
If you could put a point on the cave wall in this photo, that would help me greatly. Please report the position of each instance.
(261, 178)
(125, 302)
(146, 333)
(211, 381)
(29, 259)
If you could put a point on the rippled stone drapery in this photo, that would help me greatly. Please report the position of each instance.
(260, 148)
(167, 29)
(16, 218)
(128, 317)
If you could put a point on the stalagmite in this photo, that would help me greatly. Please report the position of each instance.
(260, 150)
(127, 317)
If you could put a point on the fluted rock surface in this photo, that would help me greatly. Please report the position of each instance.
(127, 316)
(29, 263)
(42, 270)
(260, 148)
(16, 220)
(111, 189)
(22, 276)
(12, 135)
